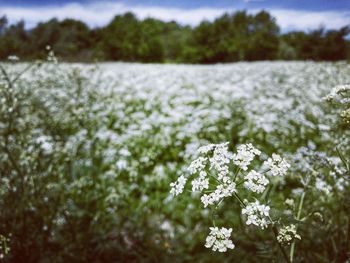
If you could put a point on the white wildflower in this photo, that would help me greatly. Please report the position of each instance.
(197, 165)
(200, 183)
(121, 164)
(13, 58)
(257, 214)
(46, 144)
(277, 165)
(287, 234)
(221, 191)
(206, 200)
(178, 186)
(220, 160)
(336, 91)
(245, 155)
(124, 152)
(323, 186)
(218, 239)
(206, 148)
(255, 182)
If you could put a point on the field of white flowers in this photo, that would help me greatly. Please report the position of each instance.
(100, 163)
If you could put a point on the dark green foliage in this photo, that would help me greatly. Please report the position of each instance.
(236, 37)
(231, 37)
(317, 45)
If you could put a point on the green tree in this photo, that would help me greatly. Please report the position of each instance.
(13, 39)
(232, 37)
(264, 42)
(120, 38)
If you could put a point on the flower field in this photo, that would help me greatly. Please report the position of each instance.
(117, 162)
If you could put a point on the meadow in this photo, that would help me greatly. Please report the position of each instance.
(91, 156)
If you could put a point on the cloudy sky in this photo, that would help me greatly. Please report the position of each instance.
(290, 14)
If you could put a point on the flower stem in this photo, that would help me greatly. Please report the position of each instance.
(284, 253)
(292, 248)
(239, 200)
(348, 238)
(236, 173)
(274, 228)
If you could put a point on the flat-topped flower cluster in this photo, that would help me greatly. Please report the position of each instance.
(218, 239)
(287, 234)
(217, 173)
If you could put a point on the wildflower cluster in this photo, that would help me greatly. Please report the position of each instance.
(13, 58)
(245, 154)
(287, 234)
(216, 173)
(340, 96)
(221, 191)
(178, 186)
(218, 239)
(107, 139)
(277, 165)
(217, 159)
(323, 186)
(255, 182)
(257, 214)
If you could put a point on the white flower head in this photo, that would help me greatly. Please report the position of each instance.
(220, 159)
(13, 58)
(200, 183)
(257, 214)
(197, 165)
(323, 186)
(221, 191)
(277, 165)
(206, 148)
(122, 164)
(336, 92)
(255, 182)
(178, 186)
(218, 239)
(46, 144)
(245, 155)
(287, 234)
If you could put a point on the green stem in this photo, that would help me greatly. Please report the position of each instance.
(275, 232)
(6, 76)
(348, 238)
(236, 173)
(274, 228)
(241, 182)
(292, 248)
(284, 253)
(239, 200)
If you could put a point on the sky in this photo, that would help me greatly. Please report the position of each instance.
(290, 14)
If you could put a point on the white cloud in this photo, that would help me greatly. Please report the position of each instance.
(99, 13)
(292, 19)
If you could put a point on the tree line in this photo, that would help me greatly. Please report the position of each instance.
(238, 36)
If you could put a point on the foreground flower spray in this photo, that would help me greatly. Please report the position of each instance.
(218, 174)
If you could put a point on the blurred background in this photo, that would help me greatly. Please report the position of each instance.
(176, 31)
(88, 150)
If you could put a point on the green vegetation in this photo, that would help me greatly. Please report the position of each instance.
(88, 154)
(232, 37)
